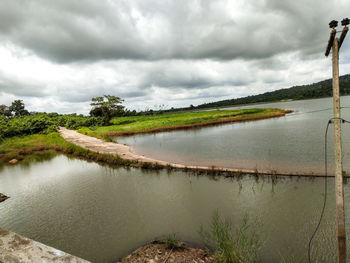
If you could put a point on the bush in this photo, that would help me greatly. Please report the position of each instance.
(43, 123)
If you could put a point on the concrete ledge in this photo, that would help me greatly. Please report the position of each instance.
(17, 249)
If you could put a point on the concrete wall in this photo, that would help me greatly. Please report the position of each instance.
(17, 249)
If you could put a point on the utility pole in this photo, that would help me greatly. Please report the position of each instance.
(335, 44)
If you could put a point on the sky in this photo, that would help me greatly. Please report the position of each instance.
(57, 55)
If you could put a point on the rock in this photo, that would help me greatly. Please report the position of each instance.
(13, 161)
(3, 197)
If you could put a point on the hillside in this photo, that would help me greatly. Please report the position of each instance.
(311, 91)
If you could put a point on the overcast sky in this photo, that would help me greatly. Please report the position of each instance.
(57, 55)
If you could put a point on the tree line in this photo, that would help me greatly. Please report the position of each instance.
(320, 89)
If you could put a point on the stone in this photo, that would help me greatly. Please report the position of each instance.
(13, 161)
(3, 197)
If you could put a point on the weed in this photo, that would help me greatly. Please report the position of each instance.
(232, 246)
(172, 241)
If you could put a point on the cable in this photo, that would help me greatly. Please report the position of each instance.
(325, 191)
(168, 255)
(298, 113)
(325, 184)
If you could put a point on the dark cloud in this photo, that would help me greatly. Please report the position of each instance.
(59, 54)
(71, 30)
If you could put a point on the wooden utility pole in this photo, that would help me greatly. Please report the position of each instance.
(335, 43)
(339, 190)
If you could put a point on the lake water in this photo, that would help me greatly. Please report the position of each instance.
(291, 143)
(102, 214)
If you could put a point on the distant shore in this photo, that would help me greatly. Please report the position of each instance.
(131, 125)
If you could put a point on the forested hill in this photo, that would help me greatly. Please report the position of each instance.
(316, 90)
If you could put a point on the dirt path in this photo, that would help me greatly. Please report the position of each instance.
(97, 145)
(124, 151)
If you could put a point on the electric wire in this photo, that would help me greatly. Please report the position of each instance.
(165, 261)
(314, 111)
(325, 185)
(325, 192)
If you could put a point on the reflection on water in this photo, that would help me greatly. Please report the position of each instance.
(101, 214)
(291, 143)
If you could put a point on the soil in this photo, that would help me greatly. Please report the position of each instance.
(159, 252)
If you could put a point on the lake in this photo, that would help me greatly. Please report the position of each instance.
(101, 214)
(292, 143)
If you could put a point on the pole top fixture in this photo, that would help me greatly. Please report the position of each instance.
(333, 24)
(345, 22)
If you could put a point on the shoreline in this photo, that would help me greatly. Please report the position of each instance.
(124, 152)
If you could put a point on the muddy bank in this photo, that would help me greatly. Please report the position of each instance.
(159, 252)
(199, 125)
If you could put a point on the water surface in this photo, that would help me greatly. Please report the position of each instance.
(291, 143)
(102, 214)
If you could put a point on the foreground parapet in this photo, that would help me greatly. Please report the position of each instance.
(15, 248)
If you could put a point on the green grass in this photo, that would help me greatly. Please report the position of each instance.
(141, 124)
(33, 146)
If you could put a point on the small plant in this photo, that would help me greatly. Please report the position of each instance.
(229, 246)
(172, 241)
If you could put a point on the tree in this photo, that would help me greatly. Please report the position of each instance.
(5, 111)
(18, 108)
(107, 106)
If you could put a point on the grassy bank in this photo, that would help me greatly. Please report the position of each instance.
(166, 122)
(27, 148)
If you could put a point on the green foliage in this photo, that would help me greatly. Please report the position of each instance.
(5, 111)
(43, 123)
(240, 245)
(18, 108)
(107, 107)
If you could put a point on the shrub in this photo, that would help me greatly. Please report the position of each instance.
(43, 123)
